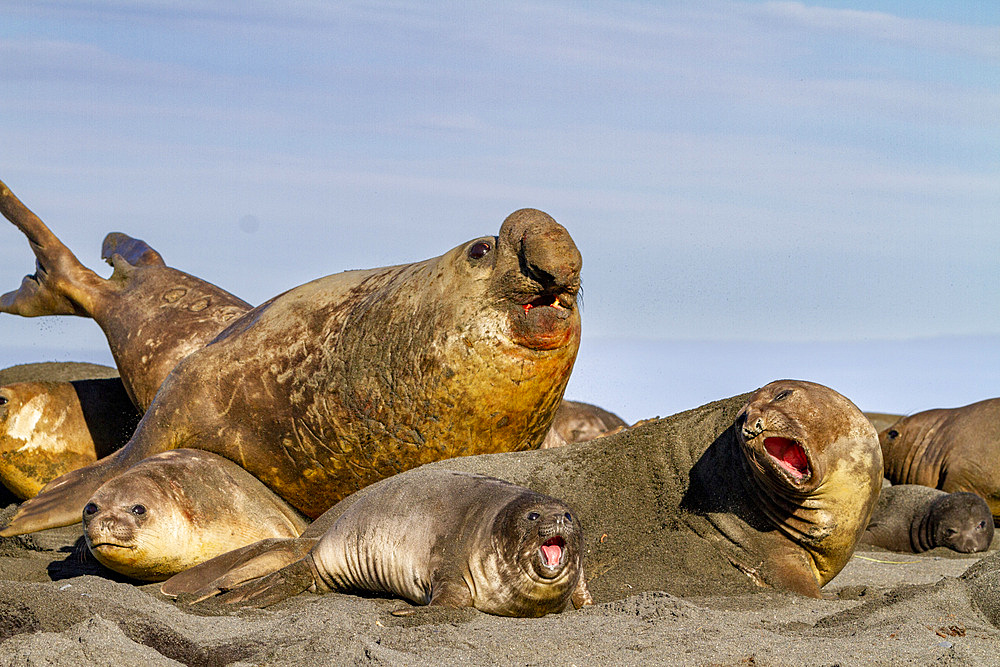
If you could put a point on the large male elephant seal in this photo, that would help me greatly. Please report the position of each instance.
(952, 449)
(180, 508)
(50, 428)
(344, 380)
(580, 422)
(914, 518)
(772, 488)
(433, 537)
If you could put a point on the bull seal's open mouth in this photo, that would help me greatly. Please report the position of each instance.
(553, 552)
(790, 456)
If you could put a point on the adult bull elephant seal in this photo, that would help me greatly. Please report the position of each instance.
(50, 428)
(952, 449)
(350, 378)
(772, 488)
(914, 518)
(580, 422)
(180, 508)
(495, 546)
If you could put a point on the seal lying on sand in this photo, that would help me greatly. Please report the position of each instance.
(433, 537)
(180, 508)
(913, 518)
(50, 428)
(580, 422)
(956, 449)
(780, 484)
(347, 379)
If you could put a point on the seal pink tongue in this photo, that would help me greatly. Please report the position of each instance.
(552, 551)
(789, 454)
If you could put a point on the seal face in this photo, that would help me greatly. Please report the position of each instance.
(342, 381)
(580, 422)
(501, 548)
(180, 508)
(953, 449)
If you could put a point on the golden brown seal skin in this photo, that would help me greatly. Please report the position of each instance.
(912, 518)
(354, 377)
(49, 428)
(952, 449)
(180, 508)
(432, 537)
(780, 484)
(152, 315)
(580, 422)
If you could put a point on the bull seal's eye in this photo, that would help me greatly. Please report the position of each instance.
(138, 510)
(89, 509)
(782, 395)
(479, 250)
(3, 400)
(893, 434)
(533, 516)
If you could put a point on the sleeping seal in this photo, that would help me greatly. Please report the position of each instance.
(431, 536)
(580, 422)
(342, 381)
(914, 518)
(179, 508)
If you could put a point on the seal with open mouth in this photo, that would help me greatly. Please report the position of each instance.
(342, 381)
(180, 508)
(431, 536)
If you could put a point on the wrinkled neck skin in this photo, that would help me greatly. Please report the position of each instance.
(917, 456)
(923, 530)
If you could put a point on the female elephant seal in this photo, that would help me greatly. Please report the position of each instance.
(440, 538)
(580, 422)
(914, 518)
(774, 489)
(180, 508)
(50, 428)
(347, 379)
(952, 449)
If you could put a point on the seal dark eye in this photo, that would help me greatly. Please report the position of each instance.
(893, 434)
(480, 250)
(138, 510)
(568, 517)
(3, 400)
(533, 516)
(950, 532)
(90, 509)
(981, 525)
(782, 395)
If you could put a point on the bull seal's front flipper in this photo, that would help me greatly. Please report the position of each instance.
(61, 501)
(61, 284)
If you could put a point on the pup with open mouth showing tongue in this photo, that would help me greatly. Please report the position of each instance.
(434, 537)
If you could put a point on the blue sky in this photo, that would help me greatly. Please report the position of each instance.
(733, 172)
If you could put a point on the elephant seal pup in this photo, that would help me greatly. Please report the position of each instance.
(179, 508)
(50, 428)
(954, 449)
(580, 422)
(497, 547)
(914, 518)
(351, 378)
(772, 489)
(152, 315)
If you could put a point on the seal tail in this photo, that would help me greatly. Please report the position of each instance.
(228, 571)
(61, 285)
(61, 501)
